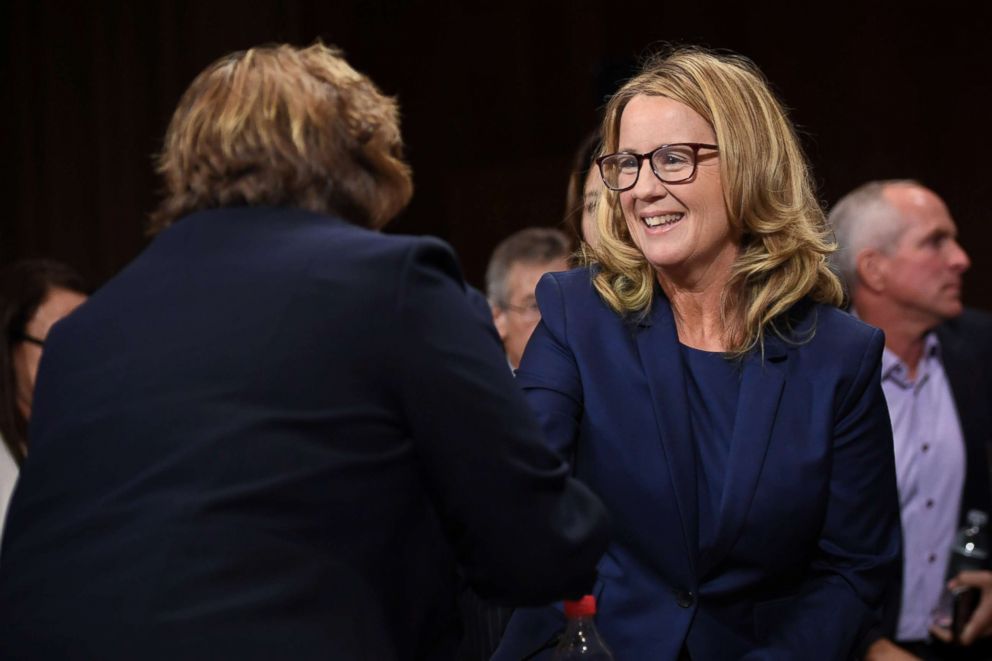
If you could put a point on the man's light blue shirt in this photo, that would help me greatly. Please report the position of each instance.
(930, 469)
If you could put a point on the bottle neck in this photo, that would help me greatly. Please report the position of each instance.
(581, 634)
(580, 618)
(582, 624)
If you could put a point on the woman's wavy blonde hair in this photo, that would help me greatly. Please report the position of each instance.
(767, 191)
(284, 126)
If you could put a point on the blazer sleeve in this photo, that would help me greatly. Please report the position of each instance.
(859, 549)
(549, 375)
(525, 532)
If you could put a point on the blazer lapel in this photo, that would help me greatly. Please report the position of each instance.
(658, 348)
(762, 383)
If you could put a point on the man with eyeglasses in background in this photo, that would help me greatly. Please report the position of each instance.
(516, 265)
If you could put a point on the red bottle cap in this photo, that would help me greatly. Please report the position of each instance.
(584, 607)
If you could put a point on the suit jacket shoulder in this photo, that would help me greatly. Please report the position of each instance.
(828, 329)
(825, 328)
(966, 348)
(970, 332)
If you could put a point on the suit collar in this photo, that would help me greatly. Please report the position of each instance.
(658, 348)
(775, 346)
(762, 384)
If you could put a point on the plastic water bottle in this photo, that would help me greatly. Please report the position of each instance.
(581, 640)
(971, 545)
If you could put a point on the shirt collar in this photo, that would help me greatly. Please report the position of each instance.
(893, 369)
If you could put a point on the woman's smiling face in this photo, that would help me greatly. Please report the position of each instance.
(682, 229)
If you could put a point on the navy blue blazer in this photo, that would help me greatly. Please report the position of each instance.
(808, 531)
(272, 436)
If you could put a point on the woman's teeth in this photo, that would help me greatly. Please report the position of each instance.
(664, 219)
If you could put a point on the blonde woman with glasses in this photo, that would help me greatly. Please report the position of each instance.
(701, 379)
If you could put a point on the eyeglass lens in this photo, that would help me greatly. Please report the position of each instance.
(672, 163)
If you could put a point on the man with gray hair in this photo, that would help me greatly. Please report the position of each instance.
(516, 265)
(903, 266)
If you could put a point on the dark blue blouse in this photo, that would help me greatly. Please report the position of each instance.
(712, 386)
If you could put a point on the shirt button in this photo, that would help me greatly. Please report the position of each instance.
(926, 447)
(684, 598)
(932, 558)
(929, 503)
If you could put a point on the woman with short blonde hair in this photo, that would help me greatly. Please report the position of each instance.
(243, 134)
(277, 433)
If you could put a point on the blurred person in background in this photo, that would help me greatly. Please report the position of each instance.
(584, 189)
(278, 432)
(517, 263)
(34, 294)
(704, 383)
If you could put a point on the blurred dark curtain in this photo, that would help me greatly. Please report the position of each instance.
(495, 97)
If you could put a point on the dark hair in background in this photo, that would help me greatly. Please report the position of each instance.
(574, 196)
(24, 285)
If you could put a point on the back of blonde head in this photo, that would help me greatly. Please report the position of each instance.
(284, 126)
(767, 191)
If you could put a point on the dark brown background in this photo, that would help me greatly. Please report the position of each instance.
(495, 98)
